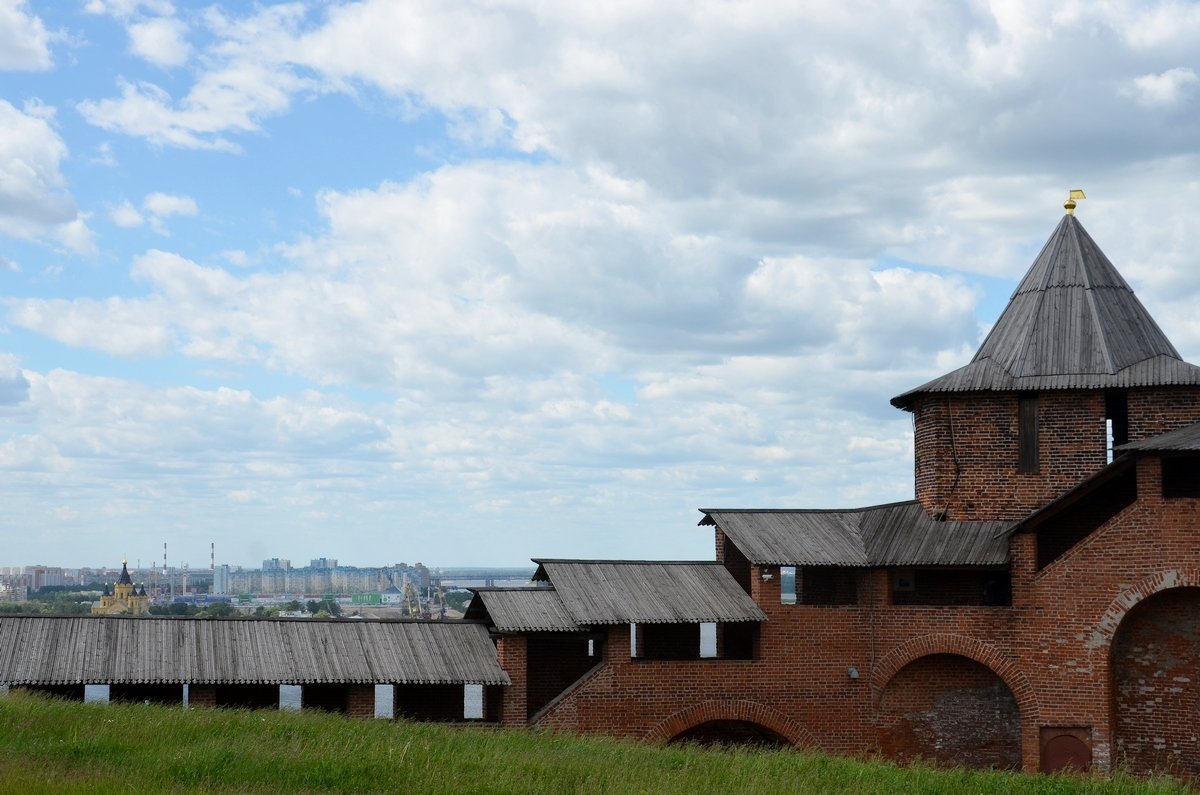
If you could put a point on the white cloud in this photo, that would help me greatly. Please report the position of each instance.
(744, 228)
(115, 326)
(165, 204)
(245, 80)
(1164, 89)
(156, 208)
(126, 216)
(24, 42)
(76, 235)
(160, 40)
(34, 203)
(122, 9)
(232, 99)
(14, 386)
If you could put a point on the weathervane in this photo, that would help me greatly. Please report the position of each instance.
(1069, 204)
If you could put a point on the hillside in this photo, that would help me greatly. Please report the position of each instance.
(53, 746)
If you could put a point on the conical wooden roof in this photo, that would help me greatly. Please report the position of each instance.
(1073, 323)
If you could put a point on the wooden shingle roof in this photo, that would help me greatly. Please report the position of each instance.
(1183, 440)
(522, 610)
(897, 534)
(113, 649)
(1073, 323)
(648, 591)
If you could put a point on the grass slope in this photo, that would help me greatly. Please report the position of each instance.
(54, 746)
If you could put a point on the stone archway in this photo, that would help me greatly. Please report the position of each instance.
(1155, 658)
(950, 710)
(751, 715)
(731, 732)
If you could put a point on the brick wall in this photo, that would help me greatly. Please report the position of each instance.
(1155, 411)
(800, 688)
(202, 696)
(966, 452)
(923, 671)
(950, 710)
(512, 656)
(1156, 674)
(360, 701)
(966, 445)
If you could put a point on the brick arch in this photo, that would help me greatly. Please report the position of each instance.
(973, 649)
(1110, 620)
(731, 709)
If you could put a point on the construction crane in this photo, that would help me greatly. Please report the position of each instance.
(412, 600)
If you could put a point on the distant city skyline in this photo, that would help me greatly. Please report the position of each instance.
(474, 284)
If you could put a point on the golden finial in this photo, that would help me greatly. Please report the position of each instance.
(1069, 204)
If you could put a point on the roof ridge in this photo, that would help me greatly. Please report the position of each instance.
(1055, 243)
(808, 510)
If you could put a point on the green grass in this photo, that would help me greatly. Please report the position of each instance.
(61, 747)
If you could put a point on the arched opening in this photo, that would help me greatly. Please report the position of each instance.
(731, 732)
(1156, 684)
(950, 710)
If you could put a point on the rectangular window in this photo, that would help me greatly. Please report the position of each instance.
(1116, 416)
(708, 640)
(473, 702)
(1027, 434)
(95, 693)
(787, 585)
(290, 697)
(635, 635)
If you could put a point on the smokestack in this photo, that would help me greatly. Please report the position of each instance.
(212, 556)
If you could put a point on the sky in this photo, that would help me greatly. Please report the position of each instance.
(475, 282)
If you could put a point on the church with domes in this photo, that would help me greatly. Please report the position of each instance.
(124, 598)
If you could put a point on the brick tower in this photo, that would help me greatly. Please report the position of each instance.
(1074, 366)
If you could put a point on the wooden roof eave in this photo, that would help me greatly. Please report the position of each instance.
(1070, 498)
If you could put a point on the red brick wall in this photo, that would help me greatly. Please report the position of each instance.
(1072, 445)
(1155, 411)
(202, 696)
(1051, 651)
(979, 431)
(512, 656)
(1156, 675)
(952, 711)
(800, 687)
(360, 701)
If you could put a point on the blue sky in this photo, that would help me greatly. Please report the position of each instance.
(473, 282)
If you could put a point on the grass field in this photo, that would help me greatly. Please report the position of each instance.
(54, 746)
